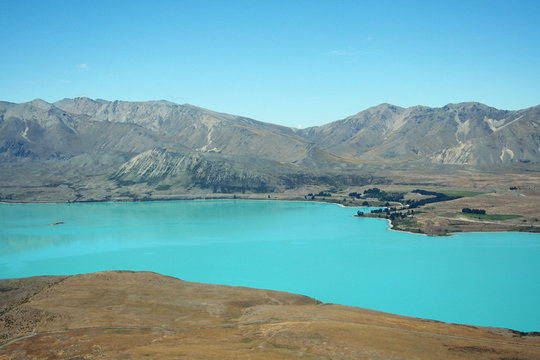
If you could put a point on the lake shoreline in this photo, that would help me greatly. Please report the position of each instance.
(420, 228)
(205, 237)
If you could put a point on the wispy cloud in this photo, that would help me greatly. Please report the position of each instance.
(83, 67)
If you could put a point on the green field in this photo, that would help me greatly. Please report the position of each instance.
(491, 216)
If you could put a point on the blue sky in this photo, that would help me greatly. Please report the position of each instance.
(297, 63)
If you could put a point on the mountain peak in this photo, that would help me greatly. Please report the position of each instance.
(470, 105)
(39, 103)
(382, 108)
(385, 106)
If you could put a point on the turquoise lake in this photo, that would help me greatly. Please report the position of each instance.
(319, 250)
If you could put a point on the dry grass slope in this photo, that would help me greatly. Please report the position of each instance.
(132, 315)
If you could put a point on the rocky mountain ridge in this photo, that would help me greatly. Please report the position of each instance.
(160, 143)
(197, 128)
(463, 134)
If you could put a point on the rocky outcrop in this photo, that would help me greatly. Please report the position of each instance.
(161, 166)
(513, 139)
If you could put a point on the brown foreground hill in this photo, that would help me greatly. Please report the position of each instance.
(133, 315)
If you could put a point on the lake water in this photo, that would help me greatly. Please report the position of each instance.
(319, 250)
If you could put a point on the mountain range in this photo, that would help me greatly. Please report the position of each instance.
(79, 142)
